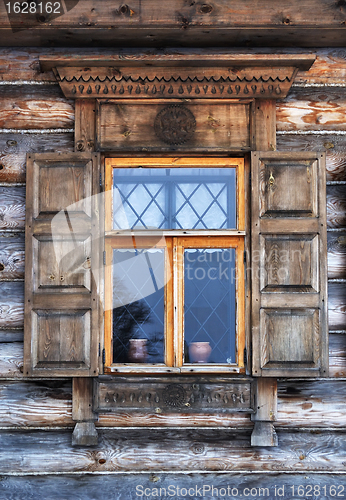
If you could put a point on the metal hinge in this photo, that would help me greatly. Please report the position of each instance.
(103, 356)
(99, 349)
(244, 255)
(245, 356)
(100, 180)
(104, 257)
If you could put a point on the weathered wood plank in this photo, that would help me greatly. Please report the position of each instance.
(336, 206)
(337, 255)
(11, 360)
(12, 207)
(315, 403)
(40, 403)
(337, 306)
(337, 355)
(139, 450)
(312, 109)
(81, 33)
(23, 64)
(14, 147)
(313, 13)
(333, 145)
(11, 305)
(11, 256)
(134, 486)
(9, 336)
(329, 67)
(34, 107)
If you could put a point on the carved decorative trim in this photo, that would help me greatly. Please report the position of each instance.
(246, 84)
(175, 124)
(178, 74)
(175, 394)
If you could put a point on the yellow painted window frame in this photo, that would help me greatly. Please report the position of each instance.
(174, 242)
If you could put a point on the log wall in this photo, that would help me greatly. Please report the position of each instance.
(36, 415)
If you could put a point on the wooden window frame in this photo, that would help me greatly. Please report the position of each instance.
(174, 242)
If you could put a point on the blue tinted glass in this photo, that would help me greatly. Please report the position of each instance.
(176, 198)
(138, 306)
(209, 305)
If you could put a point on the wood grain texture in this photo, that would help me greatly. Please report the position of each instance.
(333, 145)
(130, 486)
(11, 305)
(14, 147)
(23, 63)
(40, 403)
(337, 255)
(312, 109)
(336, 207)
(35, 108)
(329, 67)
(11, 335)
(11, 256)
(337, 306)
(143, 450)
(12, 207)
(311, 403)
(11, 360)
(337, 355)
(313, 13)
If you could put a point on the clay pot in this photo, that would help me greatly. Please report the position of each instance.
(199, 352)
(138, 350)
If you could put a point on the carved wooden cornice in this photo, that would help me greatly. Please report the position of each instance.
(229, 77)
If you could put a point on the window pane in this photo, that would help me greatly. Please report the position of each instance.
(209, 305)
(138, 305)
(176, 198)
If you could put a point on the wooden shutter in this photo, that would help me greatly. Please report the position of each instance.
(61, 325)
(289, 265)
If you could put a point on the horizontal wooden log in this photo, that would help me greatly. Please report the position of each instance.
(329, 67)
(11, 256)
(313, 13)
(132, 487)
(336, 206)
(14, 147)
(337, 255)
(140, 450)
(333, 145)
(23, 64)
(337, 355)
(312, 109)
(337, 306)
(11, 305)
(35, 108)
(320, 403)
(9, 336)
(11, 360)
(12, 207)
(39, 403)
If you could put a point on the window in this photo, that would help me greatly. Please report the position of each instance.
(174, 280)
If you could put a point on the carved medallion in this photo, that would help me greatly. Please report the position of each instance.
(175, 124)
(174, 395)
